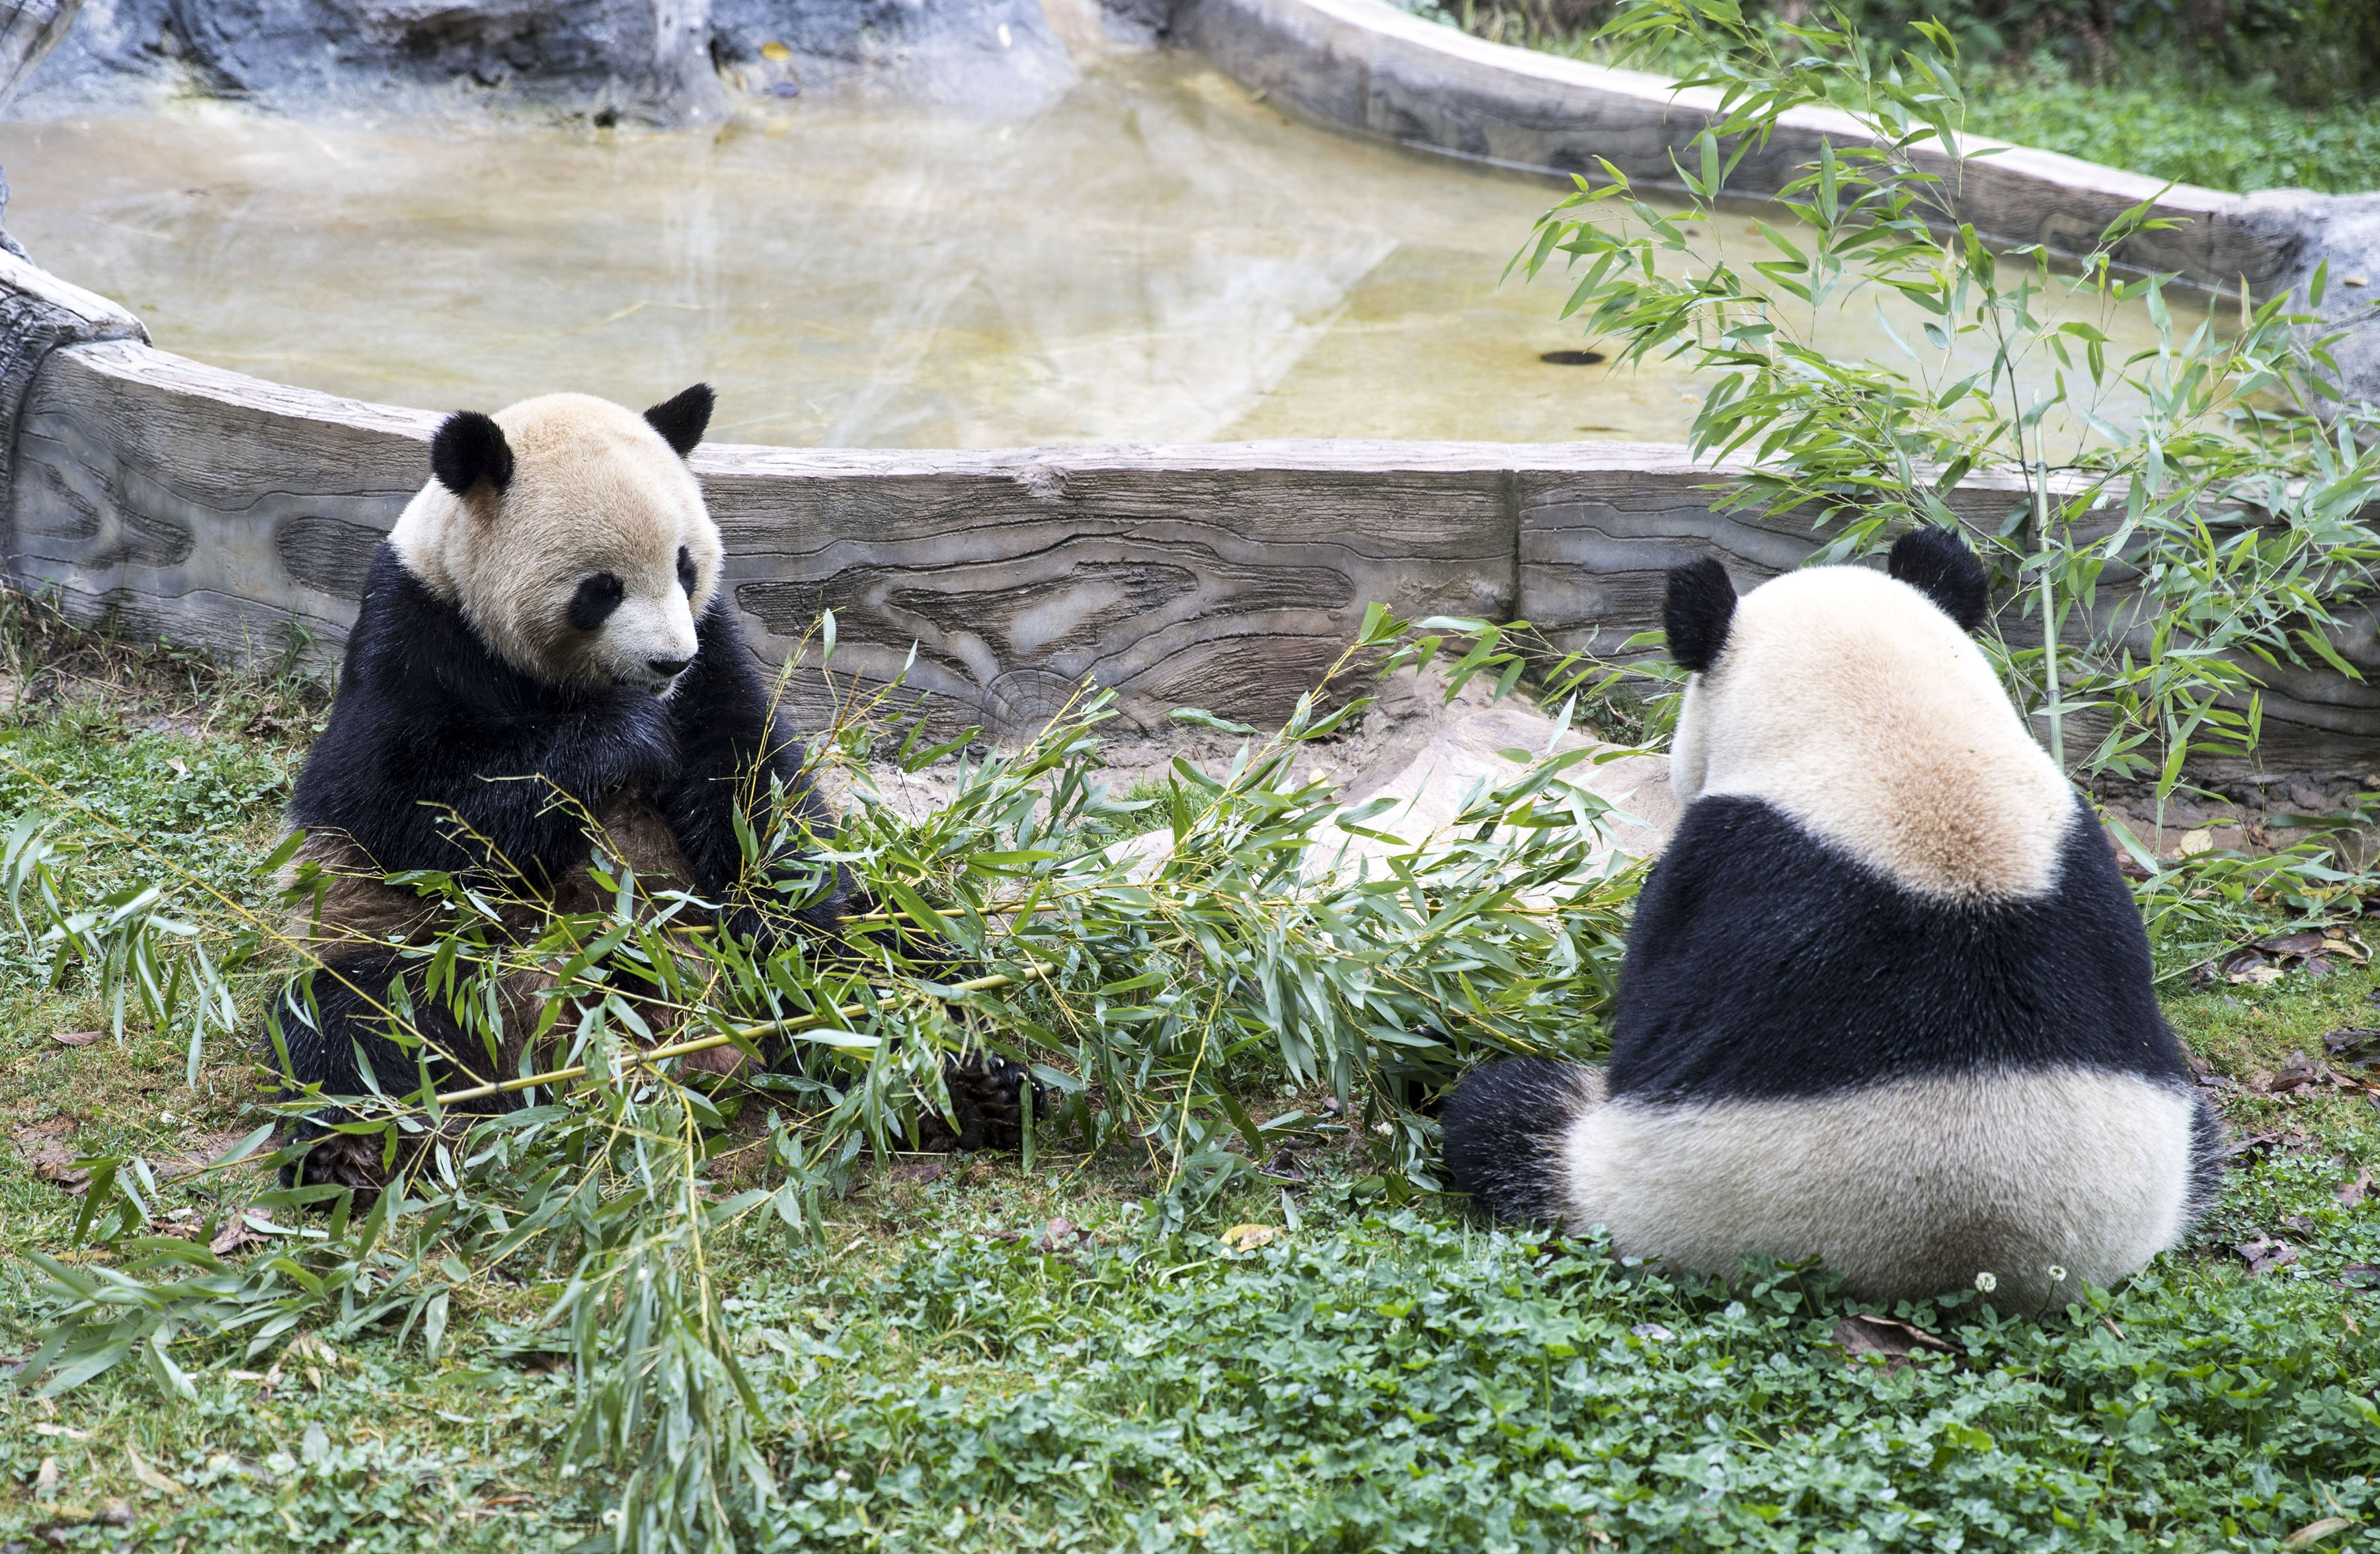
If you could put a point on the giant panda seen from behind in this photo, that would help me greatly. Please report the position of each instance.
(1886, 1000)
(543, 640)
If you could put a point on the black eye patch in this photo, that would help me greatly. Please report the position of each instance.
(597, 597)
(686, 571)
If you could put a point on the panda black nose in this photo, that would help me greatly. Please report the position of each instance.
(667, 668)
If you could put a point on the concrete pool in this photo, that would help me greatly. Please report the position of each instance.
(1157, 256)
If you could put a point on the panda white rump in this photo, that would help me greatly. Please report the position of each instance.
(1907, 1188)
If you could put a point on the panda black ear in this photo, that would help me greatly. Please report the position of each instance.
(467, 448)
(681, 420)
(1937, 564)
(1700, 607)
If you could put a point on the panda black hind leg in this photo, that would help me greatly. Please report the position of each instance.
(987, 1094)
(336, 1021)
(1506, 1127)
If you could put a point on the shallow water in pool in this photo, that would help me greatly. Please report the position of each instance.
(1156, 257)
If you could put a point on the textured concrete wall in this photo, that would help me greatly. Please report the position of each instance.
(216, 509)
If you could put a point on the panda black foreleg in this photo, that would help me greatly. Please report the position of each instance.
(732, 755)
(451, 815)
(733, 752)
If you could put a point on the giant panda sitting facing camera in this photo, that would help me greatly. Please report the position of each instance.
(1886, 1000)
(543, 641)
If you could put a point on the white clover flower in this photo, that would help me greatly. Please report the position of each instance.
(2057, 1274)
(1987, 1282)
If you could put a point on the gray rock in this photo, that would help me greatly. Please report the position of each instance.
(658, 61)
(995, 54)
(2345, 230)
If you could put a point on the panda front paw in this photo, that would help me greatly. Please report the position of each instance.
(338, 1160)
(988, 1096)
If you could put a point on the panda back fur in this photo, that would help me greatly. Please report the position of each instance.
(1886, 1000)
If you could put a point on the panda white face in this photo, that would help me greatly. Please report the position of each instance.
(573, 538)
(636, 631)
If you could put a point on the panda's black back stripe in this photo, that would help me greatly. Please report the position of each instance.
(1766, 962)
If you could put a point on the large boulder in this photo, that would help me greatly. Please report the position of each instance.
(658, 61)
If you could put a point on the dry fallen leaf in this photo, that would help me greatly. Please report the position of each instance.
(76, 1038)
(2256, 1145)
(2265, 1253)
(1865, 1332)
(2352, 1047)
(1247, 1238)
(1061, 1235)
(2249, 969)
(311, 1346)
(1652, 1332)
(45, 1480)
(2314, 1530)
(53, 1160)
(2313, 951)
(931, 1168)
(151, 1478)
(234, 1236)
(2300, 1073)
(1283, 1167)
(2355, 1192)
(2196, 842)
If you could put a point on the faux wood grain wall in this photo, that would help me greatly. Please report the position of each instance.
(219, 510)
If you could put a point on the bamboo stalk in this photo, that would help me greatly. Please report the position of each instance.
(2057, 708)
(708, 1043)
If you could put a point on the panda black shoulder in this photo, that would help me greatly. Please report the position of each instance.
(425, 716)
(1765, 962)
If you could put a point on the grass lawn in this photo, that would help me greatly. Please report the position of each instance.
(2193, 127)
(947, 1369)
(2150, 112)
